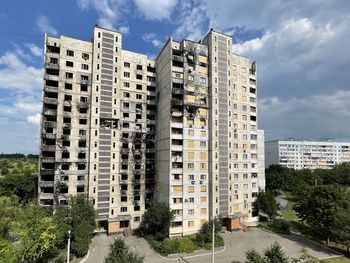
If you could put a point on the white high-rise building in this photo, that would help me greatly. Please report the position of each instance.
(306, 154)
(124, 129)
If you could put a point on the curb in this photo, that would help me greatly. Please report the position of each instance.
(86, 257)
(179, 256)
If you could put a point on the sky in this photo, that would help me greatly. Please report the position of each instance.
(302, 49)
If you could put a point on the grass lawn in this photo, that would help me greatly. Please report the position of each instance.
(336, 260)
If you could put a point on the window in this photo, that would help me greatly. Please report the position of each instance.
(68, 86)
(190, 166)
(191, 189)
(190, 223)
(85, 66)
(191, 200)
(203, 188)
(123, 209)
(138, 96)
(126, 64)
(203, 133)
(85, 56)
(203, 199)
(203, 155)
(190, 78)
(203, 211)
(190, 155)
(191, 177)
(203, 144)
(70, 53)
(190, 144)
(177, 188)
(203, 80)
(69, 75)
(191, 132)
(69, 64)
(127, 74)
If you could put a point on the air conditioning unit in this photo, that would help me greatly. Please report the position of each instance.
(236, 191)
(201, 182)
(192, 182)
(186, 200)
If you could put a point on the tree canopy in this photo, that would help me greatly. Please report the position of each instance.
(156, 221)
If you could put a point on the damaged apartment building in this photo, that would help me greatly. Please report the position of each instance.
(124, 130)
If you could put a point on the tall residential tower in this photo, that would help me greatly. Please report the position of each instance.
(123, 130)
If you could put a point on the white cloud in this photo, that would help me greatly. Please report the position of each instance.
(191, 20)
(44, 25)
(34, 119)
(313, 117)
(156, 9)
(124, 29)
(110, 12)
(20, 102)
(35, 50)
(152, 38)
(14, 74)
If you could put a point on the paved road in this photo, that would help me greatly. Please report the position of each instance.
(236, 245)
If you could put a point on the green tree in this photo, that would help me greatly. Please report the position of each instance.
(275, 254)
(205, 234)
(267, 204)
(319, 207)
(80, 218)
(120, 253)
(156, 221)
(253, 256)
(341, 227)
(37, 233)
(24, 186)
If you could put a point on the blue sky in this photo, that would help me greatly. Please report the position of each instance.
(302, 49)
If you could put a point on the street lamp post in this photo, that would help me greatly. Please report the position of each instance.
(68, 246)
(213, 242)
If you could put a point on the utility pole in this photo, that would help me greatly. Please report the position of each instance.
(68, 246)
(213, 242)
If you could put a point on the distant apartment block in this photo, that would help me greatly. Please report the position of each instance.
(123, 130)
(306, 154)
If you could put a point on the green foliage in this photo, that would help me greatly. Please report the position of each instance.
(19, 178)
(281, 178)
(272, 254)
(253, 256)
(156, 221)
(205, 234)
(341, 227)
(120, 253)
(275, 254)
(22, 186)
(319, 205)
(37, 234)
(267, 203)
(79, 217)
(279, 226)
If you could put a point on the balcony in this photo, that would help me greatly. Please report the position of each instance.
(176, 124)
(46, 183)
(48, 148)
(48, 159)
(48, 135)
(50, 112)
(51, 65)
(51, 77)
(50, 100)
(49, 124)
(176, 136)
(51, 89)
(177, 148)
(47, 171)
